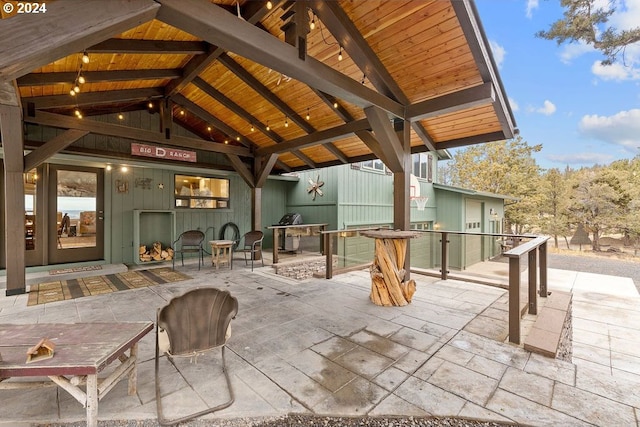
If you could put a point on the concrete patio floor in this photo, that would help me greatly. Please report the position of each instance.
(320, 346)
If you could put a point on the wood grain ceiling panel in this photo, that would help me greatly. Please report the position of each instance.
(480, 120)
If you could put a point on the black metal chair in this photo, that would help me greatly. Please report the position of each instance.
(189, 242)
(192, 323)
(253, 246)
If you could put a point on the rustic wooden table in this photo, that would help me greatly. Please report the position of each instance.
(388, 284)
(221, 252)
(82, 350)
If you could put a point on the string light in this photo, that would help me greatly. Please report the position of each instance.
(78, 113)
(238, 138)
(150, 104)
(340, 54)
(120, 116)
(182, 112)
(209, 128)
(286, 122)
(308, 115)
(85, 57)
(364, 76)
(108, 167)
(226, 141)
(72, 92)
(335, 104)
(269, 5)
(252, 128)
(124, 169)
(81, 80)
(268, 128)
(312, 25)
(76, 89)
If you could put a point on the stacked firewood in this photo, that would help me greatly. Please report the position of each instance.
(155, 253)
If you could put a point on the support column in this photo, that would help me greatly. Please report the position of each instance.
(401, 184)
(12, 145)
(256, 208)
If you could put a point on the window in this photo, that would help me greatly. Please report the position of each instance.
(375, 164)
(195, 192)
(423, 166)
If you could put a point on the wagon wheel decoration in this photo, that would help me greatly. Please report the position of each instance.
(314, 187)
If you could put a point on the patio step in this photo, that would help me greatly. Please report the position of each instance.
(551, 333)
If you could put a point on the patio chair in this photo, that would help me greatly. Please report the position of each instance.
(253, 246)
(190, 324)
(189, 242)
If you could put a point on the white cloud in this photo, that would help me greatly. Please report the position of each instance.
(498, 52)
(622, 128)
(531, 6)
(571, 51)
(615, 71)
(581, 158)
(547, 109)
(514, 104)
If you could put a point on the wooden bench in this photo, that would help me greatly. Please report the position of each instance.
(551, 332)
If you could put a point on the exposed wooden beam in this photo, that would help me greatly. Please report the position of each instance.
(30, 41)
(468, 17)
(51, 147)
(466, 98)
(336, 152)
(317, 138)
(306, 159)
(93, 98)
(265, 169)
(149, 47)
(215, 25)
(41, 79)
(264, 91)
(352, 41)
(241, 168)
(471, 140)
(253, 12)
(423, 135)
(9, 94)
(67, 122)
(390, 145)
(211, 119)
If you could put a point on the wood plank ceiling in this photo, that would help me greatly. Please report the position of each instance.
(228, 72)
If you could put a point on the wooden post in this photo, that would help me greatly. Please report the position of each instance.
(327, 237)
(533, 282)
(14, 230)
(543, 269)
(514, 300)
(445, 255)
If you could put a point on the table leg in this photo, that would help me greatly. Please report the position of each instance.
(133, 374)
(92, 400)
(276, 234)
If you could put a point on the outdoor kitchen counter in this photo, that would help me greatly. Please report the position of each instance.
(275, 229)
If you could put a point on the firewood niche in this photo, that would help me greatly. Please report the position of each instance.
(388, 287)
(153, 235)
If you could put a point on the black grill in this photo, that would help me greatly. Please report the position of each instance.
(291, 219)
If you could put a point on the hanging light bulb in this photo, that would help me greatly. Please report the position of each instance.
(124, 169)
(120, 116)
(335, 104)
(81, 80)
(308, 115)
(269, 5)
(109, 167)
(286, 122)
(77, 112)
(72, 92)
(252, 127)
(85, 57)
(209, 128)
(268, 128)
(150, 104)
(226, 141)
(312, 25)
(182, 112)
(76, 89)
(238, 138)
(340, 54)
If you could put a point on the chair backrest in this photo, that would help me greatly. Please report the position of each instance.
(191, 238)
(252, 237)
(197, 320)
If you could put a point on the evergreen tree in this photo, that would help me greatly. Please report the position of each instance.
(554, 194)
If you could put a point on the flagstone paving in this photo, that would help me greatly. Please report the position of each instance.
(320, 346)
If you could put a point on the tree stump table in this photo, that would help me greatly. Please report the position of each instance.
(388, 287)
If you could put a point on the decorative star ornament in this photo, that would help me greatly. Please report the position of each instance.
(314, 187)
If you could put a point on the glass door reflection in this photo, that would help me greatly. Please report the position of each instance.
(76, 209)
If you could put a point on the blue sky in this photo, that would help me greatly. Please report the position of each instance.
(580, 111)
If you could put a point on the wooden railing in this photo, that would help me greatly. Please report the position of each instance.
(536, 245)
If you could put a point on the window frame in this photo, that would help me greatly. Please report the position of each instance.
(206, 202)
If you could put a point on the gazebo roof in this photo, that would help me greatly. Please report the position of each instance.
(257, 82)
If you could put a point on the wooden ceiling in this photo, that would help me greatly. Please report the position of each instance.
(260, 79)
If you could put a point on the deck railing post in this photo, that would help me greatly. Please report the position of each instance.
(328, 250)
(445, 255)
(514, 300)
(543, 269)
(533, 282)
